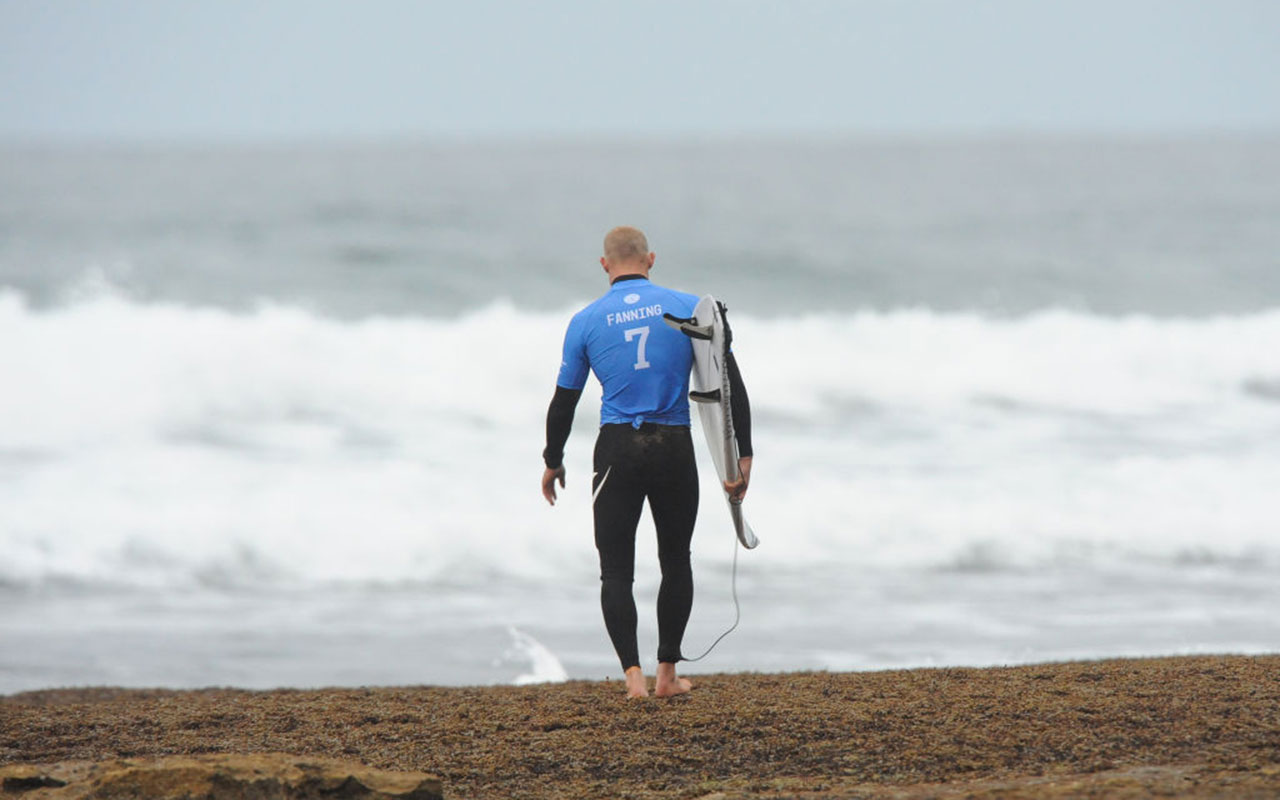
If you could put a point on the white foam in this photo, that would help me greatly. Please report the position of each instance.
(153, 444)
(544, 667)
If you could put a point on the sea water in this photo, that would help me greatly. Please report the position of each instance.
(273, 416)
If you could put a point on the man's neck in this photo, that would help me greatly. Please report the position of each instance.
(630, 276)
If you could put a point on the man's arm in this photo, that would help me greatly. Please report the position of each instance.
(559, 423)
(740, 407)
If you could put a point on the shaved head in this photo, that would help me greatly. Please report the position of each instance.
(625, 244)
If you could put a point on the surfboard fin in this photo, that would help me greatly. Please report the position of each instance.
(712, 396)
(688, 326)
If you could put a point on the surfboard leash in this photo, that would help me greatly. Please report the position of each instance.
(737, 609)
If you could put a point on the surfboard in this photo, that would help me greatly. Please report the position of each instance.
(710, 394)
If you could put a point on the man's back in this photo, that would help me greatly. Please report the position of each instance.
(642, 363)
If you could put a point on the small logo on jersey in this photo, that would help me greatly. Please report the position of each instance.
(631, 298)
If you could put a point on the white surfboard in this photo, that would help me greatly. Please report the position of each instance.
(710, 393)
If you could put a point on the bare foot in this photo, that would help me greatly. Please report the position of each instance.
(636, 685)
(678, 687)
(669, 685)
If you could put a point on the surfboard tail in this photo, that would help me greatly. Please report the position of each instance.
(745, 535)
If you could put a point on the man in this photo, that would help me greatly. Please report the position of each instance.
(644, 448)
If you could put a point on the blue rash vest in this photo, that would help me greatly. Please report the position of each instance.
(642, 363)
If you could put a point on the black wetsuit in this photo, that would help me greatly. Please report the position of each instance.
(635, 461)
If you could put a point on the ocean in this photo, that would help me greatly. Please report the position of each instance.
(272, 415)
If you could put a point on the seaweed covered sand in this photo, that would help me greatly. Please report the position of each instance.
(1188, 726)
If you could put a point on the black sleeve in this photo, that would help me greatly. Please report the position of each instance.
(740, 407)
(559, 423)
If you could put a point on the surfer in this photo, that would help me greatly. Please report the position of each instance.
(644, 448)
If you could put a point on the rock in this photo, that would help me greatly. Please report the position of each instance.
(22, 778)
(259, 776)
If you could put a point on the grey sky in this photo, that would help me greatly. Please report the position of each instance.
(164, 69)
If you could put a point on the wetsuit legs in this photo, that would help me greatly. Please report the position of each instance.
(617, 512)
(674, 503)
(656, 462)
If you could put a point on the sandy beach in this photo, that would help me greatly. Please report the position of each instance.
(1202, 726)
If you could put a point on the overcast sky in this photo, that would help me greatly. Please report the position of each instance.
(168, 69)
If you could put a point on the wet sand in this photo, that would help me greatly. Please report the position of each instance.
(1190, 727)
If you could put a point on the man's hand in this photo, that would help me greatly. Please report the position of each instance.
(738, 489)
(549, 478)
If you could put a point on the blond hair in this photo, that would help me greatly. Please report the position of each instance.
(624, 244)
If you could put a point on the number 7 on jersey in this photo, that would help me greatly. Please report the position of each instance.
(642, 334)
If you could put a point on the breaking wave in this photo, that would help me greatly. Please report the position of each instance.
(152, 444)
